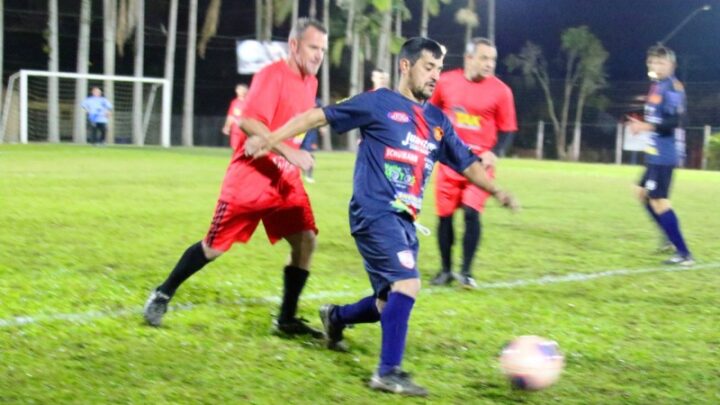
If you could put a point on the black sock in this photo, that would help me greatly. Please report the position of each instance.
(471, 240)
(446, 238)
(294, 279)
(191, 261)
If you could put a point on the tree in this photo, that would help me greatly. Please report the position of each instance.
(189, 96)
(82, 68)
(209, 29)
(53, 66)
(469, 18)
(584, 61)
(430, 8)
(109, 30)
(170, 48)
(137, 109)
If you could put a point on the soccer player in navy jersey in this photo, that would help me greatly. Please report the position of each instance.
(402, 137)
(664, 116)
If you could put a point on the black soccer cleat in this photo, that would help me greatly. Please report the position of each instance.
(397, 382)
(155, 307)
(333, 330)
(296, 326)
(442, 278)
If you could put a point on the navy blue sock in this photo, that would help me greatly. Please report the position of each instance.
(394, 320)
(363, 311)
(670, 224)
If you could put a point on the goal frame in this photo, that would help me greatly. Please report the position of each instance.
(165, 109)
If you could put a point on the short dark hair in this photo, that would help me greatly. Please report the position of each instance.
(473, 44)
(661, 51)
(303, 24)
(412, 49)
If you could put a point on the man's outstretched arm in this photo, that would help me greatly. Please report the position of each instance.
(260, 145)
(478, 176)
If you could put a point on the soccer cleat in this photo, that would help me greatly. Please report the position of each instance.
(296, 326)
(155, 307)
(680, 260)
(442, 278)
(309, 179)
(397, 382)
(466, 281)
(333, 330)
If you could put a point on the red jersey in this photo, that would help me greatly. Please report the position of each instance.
(276, 95)
(476, 109)
(235, 111)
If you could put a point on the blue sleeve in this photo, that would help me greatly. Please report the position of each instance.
(671, 111)
(453, 151)
(107, 104)
(352, 113)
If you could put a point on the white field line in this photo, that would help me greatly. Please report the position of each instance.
(544, 280)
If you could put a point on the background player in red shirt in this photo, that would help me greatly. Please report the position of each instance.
(268, 189)
(234, 114)
(479, 105)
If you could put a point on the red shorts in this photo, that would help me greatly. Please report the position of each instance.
(282, 215)
(453, 190)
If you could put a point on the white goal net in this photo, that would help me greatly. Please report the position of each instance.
(42, 106)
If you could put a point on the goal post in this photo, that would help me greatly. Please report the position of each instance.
(38, 117)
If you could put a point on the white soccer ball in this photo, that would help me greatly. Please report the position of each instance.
(531, 362)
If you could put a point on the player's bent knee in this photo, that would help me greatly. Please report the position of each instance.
(210, 253)
(409, 287)
(660, 205)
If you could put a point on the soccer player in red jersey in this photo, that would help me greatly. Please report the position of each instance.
(268, 189)
(478, 105)
(234, 115)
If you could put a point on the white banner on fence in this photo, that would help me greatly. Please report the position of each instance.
(635, 142)
(254, 55)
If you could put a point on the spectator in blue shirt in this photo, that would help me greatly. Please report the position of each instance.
(98, 110)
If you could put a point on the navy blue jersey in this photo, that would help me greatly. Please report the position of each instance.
(400, 142)
(665, 108)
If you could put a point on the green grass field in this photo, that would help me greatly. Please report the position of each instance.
(85, 233)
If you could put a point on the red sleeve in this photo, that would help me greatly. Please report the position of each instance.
(505, 117)
(263, 96)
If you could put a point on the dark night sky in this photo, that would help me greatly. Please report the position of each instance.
(626, 28)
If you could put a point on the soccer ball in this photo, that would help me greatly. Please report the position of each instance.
(531, 362)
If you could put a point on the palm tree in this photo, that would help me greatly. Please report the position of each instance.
(170, 48)
(82, 68)
(189, 97)
(109, 27)
(429, 8)
(53, 66)
(469, 18)
(209, 29)
(137, 111)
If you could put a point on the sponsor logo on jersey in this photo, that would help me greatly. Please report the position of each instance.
(398, 116)
(438, 133)
(467, 121)
(401, 155)
(418, 144)
(407, 259)
(399, 175)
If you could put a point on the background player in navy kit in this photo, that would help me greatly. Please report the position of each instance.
(402, 138)
(664, 115)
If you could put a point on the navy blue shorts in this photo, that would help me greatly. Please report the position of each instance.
(656, 181)
(389, 248)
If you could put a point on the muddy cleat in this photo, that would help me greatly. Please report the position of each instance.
(466, 281)
(333, 330)
(155, 307)
(397, 382)
(680, 260)
(442, 278)
(296, 326)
